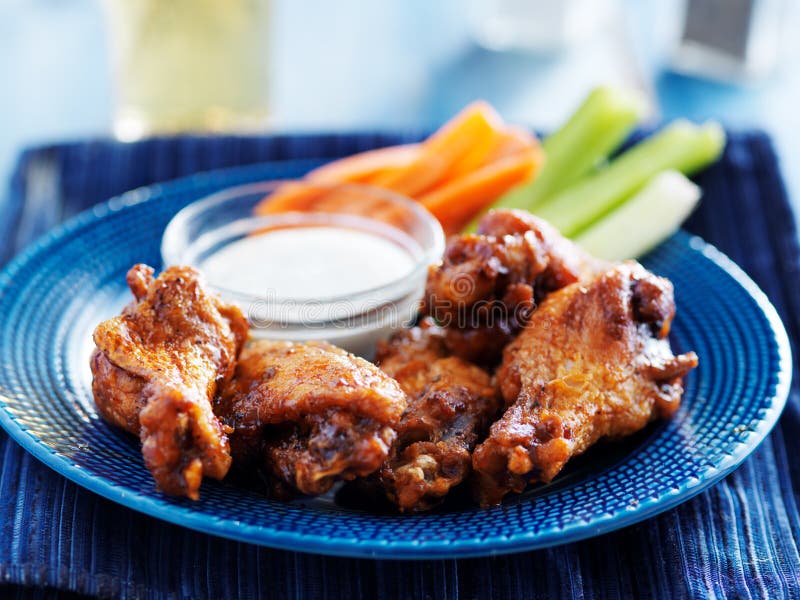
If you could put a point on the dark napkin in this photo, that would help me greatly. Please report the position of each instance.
(739, 539)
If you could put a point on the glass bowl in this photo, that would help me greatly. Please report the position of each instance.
(354, 319)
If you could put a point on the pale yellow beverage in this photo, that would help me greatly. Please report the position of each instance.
(189, 65)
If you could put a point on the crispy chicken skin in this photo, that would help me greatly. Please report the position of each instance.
(488, 283)
(156, 368)
(451, 403)
(593, 362)
(309, 413)
(482, 343)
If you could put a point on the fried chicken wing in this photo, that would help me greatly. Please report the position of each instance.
(451, 403)
(156, 368)
(489, 283)
(593, 362)
(483, 341)
(309, 414)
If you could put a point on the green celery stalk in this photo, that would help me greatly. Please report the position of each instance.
(644, 221)
(681, 146)
(594, 131)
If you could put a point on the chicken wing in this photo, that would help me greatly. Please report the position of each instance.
(309, 414)
(489, 283)
(156, 368)
(451, 403)
(593, 362)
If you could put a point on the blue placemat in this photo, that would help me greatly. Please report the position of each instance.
(739, 539)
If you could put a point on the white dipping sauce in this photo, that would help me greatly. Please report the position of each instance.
(308, 263)
(312, 264)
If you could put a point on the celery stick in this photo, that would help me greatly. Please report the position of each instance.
(645, 220)
(593, 132)
(681, 146)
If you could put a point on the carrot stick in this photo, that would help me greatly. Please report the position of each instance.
(479, 155)
(380, 175)
(452, 142)
(506, 142)
(513, 141)
(459, 201)
(294, 196)
(312, 197)
(363, 166)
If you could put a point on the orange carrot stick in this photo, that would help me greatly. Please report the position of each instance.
(479, 155)
(363, 166)
(456, 203)
(293, 196)
(452, 142)
(513, 141)
(506, 142)
(313, 197)
(381, 175)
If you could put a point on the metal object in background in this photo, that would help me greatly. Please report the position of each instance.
(729, 39)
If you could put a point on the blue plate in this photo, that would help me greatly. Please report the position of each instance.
(55, 292)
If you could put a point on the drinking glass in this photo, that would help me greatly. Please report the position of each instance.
(189, 65)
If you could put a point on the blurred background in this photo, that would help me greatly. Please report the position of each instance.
(84, 68)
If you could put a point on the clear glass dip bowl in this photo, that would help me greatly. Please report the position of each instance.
(205, 230)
